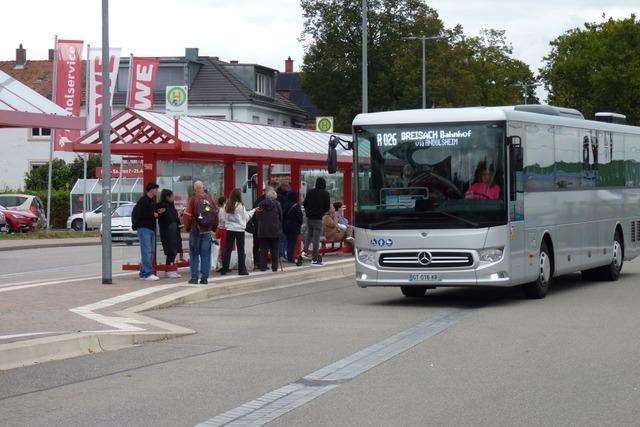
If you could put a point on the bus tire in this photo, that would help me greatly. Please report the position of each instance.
(539, 288)
(413, 291)
(611, 272)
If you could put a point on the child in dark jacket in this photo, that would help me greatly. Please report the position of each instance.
(169, 224)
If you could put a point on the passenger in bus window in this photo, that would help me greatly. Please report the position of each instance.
(484, 186)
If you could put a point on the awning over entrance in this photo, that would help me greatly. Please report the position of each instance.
(137, 132)
(21, 106)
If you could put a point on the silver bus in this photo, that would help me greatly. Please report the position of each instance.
(492, 196)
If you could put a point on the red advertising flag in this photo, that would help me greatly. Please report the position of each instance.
(144, 72)
(94, 85)
(68, 88)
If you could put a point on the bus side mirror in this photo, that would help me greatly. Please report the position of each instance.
(332, 159)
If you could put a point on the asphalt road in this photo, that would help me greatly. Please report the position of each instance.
(464, 357)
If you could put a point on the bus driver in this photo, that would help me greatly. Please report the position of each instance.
(484, 187)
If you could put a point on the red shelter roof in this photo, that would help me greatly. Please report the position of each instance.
(136, 132)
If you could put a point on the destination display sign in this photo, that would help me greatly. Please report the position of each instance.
(423, 137)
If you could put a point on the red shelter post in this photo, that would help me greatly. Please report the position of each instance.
(296, 177)
(347, 190)
(149, 166)
(260, 182)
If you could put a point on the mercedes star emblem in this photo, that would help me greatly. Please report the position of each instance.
(424, 258)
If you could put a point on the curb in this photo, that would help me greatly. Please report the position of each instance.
(39, 350)
(44, 245)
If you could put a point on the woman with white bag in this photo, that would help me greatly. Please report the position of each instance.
(235, 217)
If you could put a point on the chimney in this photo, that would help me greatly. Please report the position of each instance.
(51, 54)
(233, 61)
(191, 54)
(21, 56)
(288, 65)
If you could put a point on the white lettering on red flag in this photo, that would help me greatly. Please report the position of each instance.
(143, 79)
(68, 93)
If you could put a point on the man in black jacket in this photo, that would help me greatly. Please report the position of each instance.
(316, 204)
(146, 215)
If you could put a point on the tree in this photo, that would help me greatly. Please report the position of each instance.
(37, 178)
(596, 68)
(461, 71)
(76, 168)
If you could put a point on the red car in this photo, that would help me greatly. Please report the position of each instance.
(18, 220)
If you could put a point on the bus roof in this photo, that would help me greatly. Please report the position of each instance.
(487, 114)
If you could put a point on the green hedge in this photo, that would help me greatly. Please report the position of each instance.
(59, 204)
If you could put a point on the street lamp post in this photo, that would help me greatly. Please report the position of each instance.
(365, 68)
(525, 87)
(424, 61)
(107, 278)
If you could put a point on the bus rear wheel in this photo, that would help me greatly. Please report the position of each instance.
(413, 291)
(611, 271)
(539, 288)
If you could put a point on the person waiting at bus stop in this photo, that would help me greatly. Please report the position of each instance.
(235, 217)
(201, 219)
(169, 224)
(316, 204)
(143, 217)
(484, 186)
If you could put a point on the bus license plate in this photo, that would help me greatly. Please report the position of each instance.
(424, 277)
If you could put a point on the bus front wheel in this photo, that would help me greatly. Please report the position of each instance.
(413, 291)
(539, 288)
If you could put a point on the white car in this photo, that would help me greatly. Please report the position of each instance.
(121, 230)
(94, 218)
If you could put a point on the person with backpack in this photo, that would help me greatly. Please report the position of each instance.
(143, 220)
(169, 224)
(316, 204)
(269, 221)
(292, 223)
(201, 219)
(235, 217)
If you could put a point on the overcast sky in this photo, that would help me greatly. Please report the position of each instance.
(267, 31)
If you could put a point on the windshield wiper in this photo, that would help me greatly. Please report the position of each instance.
(396, 218)
(459, 218)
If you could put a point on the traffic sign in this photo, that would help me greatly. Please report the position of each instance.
(324, 124)
(176, 100)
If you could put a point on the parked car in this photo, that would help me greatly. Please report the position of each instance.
(94, 218)
(121, 230)
(18, 220)
(3, 221)
(26, 202)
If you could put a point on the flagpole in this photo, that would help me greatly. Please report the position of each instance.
(84, 158)
(127, 103)
(53, 139)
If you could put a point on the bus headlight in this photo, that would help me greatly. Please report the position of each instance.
(491, 254)
(366, 257)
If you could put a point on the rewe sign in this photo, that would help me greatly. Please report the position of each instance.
(95, 87)
(144, 72)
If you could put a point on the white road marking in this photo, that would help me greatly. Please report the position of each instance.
(122, 324)
(17, 287)
(285, 399)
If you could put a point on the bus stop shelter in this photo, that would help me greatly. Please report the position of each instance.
(163, 143)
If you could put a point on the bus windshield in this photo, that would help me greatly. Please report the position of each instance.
(430, 176)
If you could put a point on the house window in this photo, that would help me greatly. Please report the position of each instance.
(270, 122)
(256, 119)
(263, 84)
(40, 132)
(35, 165)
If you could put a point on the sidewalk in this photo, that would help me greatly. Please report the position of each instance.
(52, 320)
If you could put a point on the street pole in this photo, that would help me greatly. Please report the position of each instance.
(424, 73)
(424, 39)
(365, 73)
(106, 150)
(53, 136)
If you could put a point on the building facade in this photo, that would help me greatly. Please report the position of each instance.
(217, 89)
